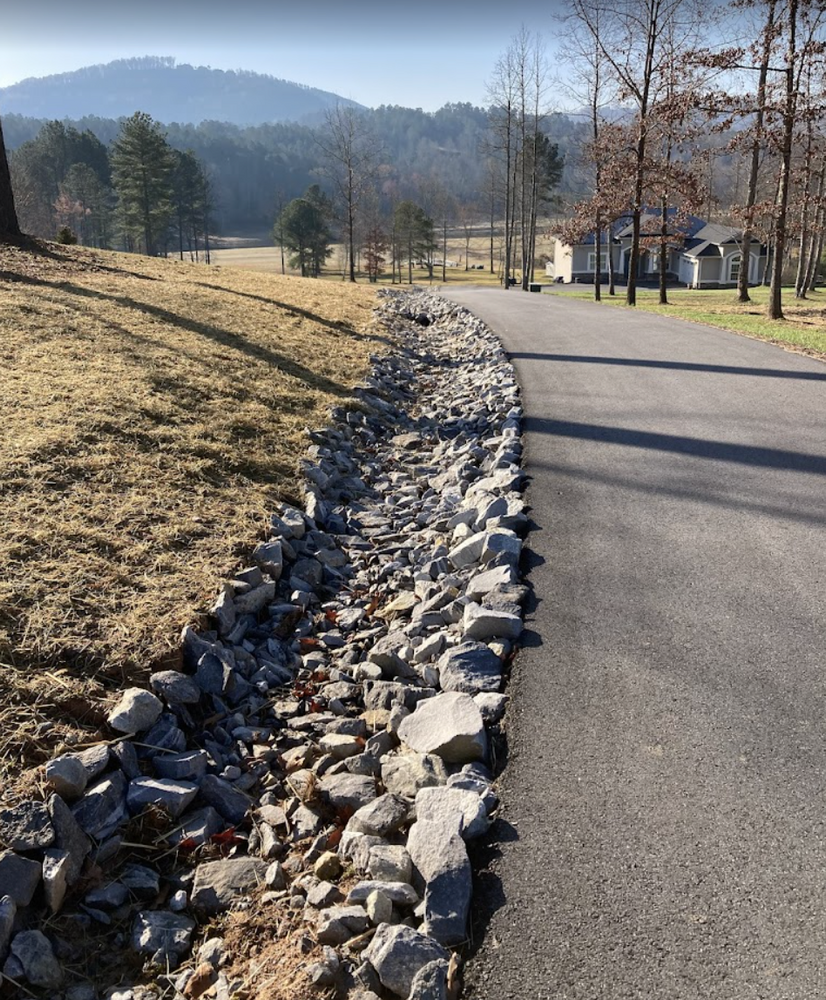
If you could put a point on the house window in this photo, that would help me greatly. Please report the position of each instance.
(654, 262)
(734, 267)
(603, 260)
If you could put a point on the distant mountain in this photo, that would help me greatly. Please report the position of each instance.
(168, 92)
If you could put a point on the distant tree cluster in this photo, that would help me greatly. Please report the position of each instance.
(138, 195)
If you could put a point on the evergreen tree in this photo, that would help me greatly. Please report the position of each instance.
(303, 228)
(142, 175)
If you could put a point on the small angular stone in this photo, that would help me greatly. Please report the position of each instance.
(449, 725)
(172, 796)
(218, 883)
(398, 953)
(56, 868)
(175, 688)
(136, 711)
(67, 776)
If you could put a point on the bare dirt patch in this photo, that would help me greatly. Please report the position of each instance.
(153, 413)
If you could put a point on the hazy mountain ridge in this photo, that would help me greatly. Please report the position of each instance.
(169, 92)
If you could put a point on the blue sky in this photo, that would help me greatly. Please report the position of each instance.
(419, 54)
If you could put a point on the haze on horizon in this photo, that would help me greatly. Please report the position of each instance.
(423, 57)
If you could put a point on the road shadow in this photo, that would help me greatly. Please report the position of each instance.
(685, 366)
(488, 892)
(719, 451)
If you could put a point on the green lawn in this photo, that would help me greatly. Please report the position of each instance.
(803, 329)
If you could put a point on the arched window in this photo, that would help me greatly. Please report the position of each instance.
(735, 261)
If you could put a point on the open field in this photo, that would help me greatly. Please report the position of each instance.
(153, 414)
(804, 328)
(268, 259)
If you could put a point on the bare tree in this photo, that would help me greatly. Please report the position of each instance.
(351, 152)
(8, 215)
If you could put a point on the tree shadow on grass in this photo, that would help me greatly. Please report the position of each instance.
(225, 338)
(51, 251)
(337, 326)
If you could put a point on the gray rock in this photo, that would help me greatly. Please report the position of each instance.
(379, 907)
(224, 611)
(389, 863)
(143, 883)
(228, 800)
(164, 735)
(382, 816)
(172, 796)
(406, 773)
(67, 776)
(339, 923)
(218, 883)
(485, 623)
(103, 806)
(468, 552)
(503, 545)
(212, 675)
(34, 952)
(126, 757)
(322, 895)
(56, 867)
(162, 935)
(189, 765)
(274, 877)
(441, 860)
(430, 983)
(459, 810)
(481, 584)
(348, 791)
(69, 837)
(357, 846)
(491, 705)
(400, 893)
(95, 759)
(255, 600)
(136, 711)
(305, 822)
(270, 557)
(107, 897)
(340, 746)
(8, 911)
(19, 877)
(198, 826)
(26, 827)
(470, 667)
(398, 953)
(212, 952)
(449, 725)
(175, 688)
(82, 991)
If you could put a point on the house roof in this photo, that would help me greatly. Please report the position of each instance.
(651, 224)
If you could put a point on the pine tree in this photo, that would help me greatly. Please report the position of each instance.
(142, 175)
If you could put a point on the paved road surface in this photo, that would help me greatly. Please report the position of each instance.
(664, 822)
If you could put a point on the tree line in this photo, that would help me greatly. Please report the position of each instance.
(139, 194)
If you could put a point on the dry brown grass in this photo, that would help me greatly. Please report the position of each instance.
(153, 413)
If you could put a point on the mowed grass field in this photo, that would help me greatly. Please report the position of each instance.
(803, 329)
(476, 254)
(153, 414)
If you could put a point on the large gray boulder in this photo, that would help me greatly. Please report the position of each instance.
(449, 725)
(398, 953)
(486, 623)
(440, 859)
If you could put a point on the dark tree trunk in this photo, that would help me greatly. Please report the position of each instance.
(9, 225)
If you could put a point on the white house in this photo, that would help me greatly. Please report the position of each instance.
(704, 255)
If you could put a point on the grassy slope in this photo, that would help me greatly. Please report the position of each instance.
(153, 412)
(804, 328)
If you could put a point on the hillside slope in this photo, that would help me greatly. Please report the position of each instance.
(168, 92)
(154, 411)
